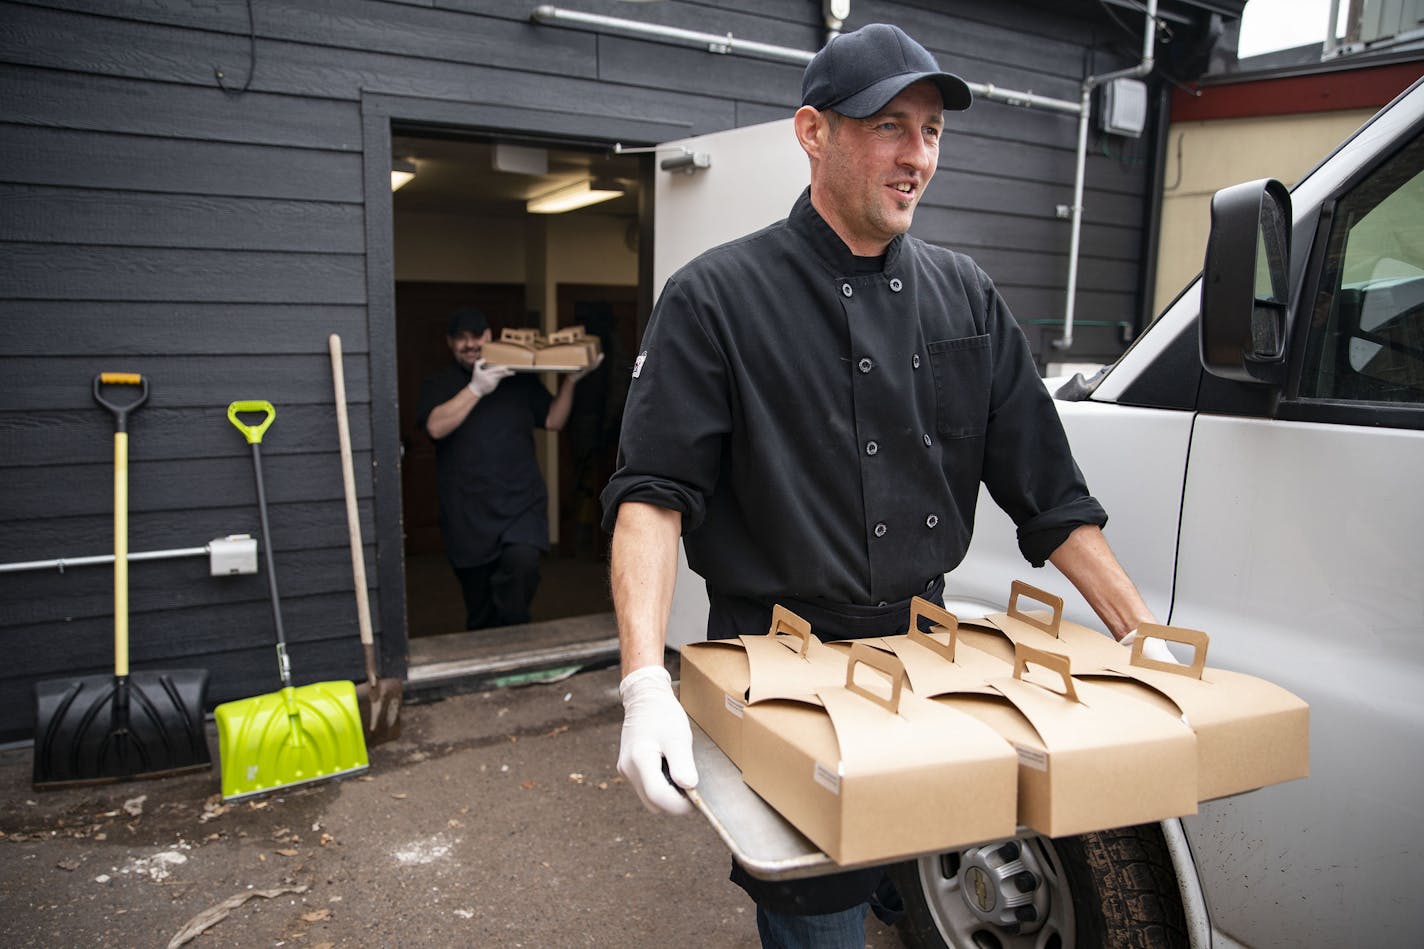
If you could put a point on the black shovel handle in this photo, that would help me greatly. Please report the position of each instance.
(121, 411)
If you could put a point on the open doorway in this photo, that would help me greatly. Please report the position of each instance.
(464, 236)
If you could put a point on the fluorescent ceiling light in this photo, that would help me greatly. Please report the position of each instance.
(577, 195)
(402, 170)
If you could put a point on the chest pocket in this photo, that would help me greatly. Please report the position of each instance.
(961, 377)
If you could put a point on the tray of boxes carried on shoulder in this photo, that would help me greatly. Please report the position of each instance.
(569, 349)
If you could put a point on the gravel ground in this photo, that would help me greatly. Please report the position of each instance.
(497, 819)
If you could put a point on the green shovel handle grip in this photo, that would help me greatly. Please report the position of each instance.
(253, 433)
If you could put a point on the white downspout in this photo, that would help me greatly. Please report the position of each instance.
(1085, 108)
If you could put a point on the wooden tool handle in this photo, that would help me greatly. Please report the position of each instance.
(353, 516)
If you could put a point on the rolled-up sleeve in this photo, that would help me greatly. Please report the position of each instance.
(677, 415)
(1028, 466)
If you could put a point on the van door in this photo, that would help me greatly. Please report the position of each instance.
(1302, 545)
(752, 178)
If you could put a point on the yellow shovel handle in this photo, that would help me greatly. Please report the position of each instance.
(253, 433)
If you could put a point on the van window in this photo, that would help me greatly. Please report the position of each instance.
(1367, 336)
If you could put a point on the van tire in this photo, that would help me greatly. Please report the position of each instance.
(1119, 886)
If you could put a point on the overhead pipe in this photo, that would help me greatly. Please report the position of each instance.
(711, 42)
(715, 43)
(1085, 107)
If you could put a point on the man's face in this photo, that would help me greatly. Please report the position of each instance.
(466, 346)
(873, 171)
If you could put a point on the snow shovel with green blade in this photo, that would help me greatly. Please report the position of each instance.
(297, 734)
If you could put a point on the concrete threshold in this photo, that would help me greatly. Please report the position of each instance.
(471, 660)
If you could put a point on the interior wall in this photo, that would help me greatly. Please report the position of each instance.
(1205, 156)
(584, 247)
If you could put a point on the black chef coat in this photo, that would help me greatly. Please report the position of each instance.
(490, 487)
(824, 431)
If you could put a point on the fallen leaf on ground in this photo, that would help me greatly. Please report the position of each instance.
(68, 864)
(134, 805)
(288, 852)
(400, 795)
(326, 839)
(316, 915)
(213, 915)
(528, 785)
(556, 731)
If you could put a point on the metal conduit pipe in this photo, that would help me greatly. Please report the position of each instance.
(1085, 108)
(712, 42)
(715, 43)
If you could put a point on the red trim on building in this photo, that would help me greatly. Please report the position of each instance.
(1332, 91)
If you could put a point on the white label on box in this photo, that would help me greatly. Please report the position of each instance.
(828, 778)
(1032, 758)
(734, 705)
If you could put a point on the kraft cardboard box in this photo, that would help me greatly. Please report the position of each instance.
(515, 347)
(568, 347)
(1088, 758)
(999, 633)
(939, 661)
(721, 676)
(1250, 733)
(871, 773)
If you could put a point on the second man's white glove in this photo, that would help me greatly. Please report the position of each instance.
(485, 377)
(1152, 648)
(655, 728)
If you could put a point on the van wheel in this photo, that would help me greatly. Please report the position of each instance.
(1115, 888)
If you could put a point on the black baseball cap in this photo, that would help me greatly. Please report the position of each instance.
(857, 73)
(467, 318)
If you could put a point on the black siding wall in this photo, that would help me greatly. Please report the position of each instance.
(212, 238)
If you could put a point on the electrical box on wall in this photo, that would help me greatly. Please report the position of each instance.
(1122, 107)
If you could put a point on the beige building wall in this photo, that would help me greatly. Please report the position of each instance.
(580, 247)
(1203, 157)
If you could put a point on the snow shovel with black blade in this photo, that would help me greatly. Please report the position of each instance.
(127, 725)
(297, 734)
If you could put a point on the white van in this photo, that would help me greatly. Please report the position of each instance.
(1260, 451)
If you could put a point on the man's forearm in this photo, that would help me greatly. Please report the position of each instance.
(643, 573)
(1088, 562)
(447, 416)
(563, 403)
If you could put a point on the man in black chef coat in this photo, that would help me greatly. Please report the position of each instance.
(493, 502)
(813, 410)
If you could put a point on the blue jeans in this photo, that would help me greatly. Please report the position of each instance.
(843, 930)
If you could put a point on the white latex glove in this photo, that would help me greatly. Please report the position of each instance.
(1153, 648)
(486, 377)
(655, 727)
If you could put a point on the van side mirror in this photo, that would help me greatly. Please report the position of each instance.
(1246, 283)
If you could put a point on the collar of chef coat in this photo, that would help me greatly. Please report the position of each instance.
(807, 221)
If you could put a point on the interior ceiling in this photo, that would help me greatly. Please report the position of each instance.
(458, 174)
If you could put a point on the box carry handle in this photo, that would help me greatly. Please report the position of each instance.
(1055, 603)
(1052, 661)
(512, 334)
(569, 334)
(1194, 638)
(941, 618)
(883, 662)
(785, 621)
